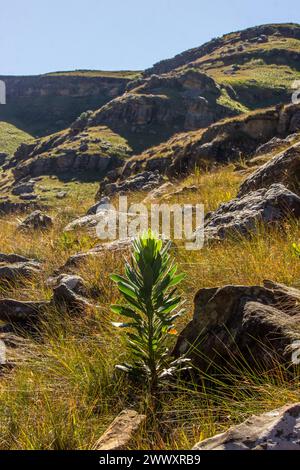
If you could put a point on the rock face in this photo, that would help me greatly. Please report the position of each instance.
(36, 221)
(243, 215)
(120, 433)
(257, 323)
(181, 100)
(275, 430)
(283, 168)
(57, 99)
(222, 142)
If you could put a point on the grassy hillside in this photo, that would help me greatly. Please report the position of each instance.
(11, 137)
(131, 74)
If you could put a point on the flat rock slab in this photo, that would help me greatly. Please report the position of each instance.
(276, 430)
(121, 431)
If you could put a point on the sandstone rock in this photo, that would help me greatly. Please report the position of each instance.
(120, 433)
(73, 282)
(283, 168)
(29, 197)
(157, 193)
(17, 311)
(96, 207)
(7, 206)
(69, 290)
(275, 430)
(276, 143)
(18, 271)
(25, 188)
(99, 250)
(15, 258)
(36, 221)
(3, 158)
(252, 324)
(242, 216)
(61, 194)
(144, 181)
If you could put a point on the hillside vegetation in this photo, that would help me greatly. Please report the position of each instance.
(11, 137)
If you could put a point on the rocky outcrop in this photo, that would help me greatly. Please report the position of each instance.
(121, 432)
(68, 293)
(36, 221)
(252, 324)
(222, 142)
(18, 271)
(116, 246)
(20, 312)
(163, 105)
(283, 168)
(244, 215)
(145, 181)
(275, 430)
(93, 150)
(7, 206)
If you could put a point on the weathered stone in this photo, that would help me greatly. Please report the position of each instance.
(144, 181)
(275, 430)
(36, 221)
(255, 324)
(98, 206)
(69, 291)
(17, 311)
(243, 215)
(121, 432)
(99, 250)
(25, 188)
(283, 168)
(18, 270)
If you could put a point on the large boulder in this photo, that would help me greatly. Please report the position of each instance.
(275, 430)
(283, 168)
(244, 214)
(255, 324)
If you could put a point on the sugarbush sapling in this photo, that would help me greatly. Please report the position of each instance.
(152, 305)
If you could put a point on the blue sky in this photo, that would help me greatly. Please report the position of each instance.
(38, 36)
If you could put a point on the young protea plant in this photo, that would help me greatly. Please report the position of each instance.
(152, 305)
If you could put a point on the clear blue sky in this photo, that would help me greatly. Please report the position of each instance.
(38, 36)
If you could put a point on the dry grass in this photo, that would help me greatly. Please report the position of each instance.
(67, 392)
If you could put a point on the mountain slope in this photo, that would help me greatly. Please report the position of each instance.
(45, 104)
(11, 137)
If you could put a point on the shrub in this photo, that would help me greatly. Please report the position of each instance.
(152, 305)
